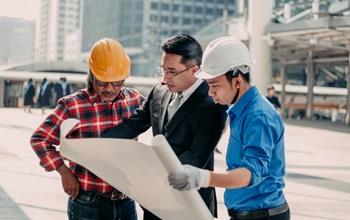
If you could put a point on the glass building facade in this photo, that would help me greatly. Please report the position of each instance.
(145, 24)
(17, 37)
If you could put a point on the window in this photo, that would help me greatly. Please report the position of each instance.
(187, 21)
(231, 11)
(198, 10)
(210, 11)
(154, 18)
(198, 22)
(175, 20)
(154, 5)
(187, 8)
(165, 7)
(176, 7)
(164, 19)
(219, 12)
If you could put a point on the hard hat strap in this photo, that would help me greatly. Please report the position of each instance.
(233, 73)
(234, 100)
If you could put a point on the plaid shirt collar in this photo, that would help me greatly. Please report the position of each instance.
(94, 98)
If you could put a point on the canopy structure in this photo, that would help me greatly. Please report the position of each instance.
(319, 40)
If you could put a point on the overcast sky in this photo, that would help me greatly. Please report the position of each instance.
(27, 9)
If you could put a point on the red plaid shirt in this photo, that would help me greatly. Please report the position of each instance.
(95, 117)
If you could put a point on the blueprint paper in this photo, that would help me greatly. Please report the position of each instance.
(138, 170)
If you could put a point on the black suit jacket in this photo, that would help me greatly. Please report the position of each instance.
(60, 92)
(193, 132)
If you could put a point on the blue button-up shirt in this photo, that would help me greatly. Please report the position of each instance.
(256, 143)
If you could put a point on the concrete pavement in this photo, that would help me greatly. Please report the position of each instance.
(317, 181)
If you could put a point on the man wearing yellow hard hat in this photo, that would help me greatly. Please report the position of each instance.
(102, 105)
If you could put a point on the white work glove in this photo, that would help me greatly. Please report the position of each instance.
(188, 178)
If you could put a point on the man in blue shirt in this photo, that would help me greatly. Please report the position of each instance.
(254, 180)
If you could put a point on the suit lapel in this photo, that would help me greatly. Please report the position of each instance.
(187, 107)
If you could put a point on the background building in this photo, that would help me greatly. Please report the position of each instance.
(143, 25)
(72, 49)
(122, 20)
(17, 37)
(164, 18)
(58, 19)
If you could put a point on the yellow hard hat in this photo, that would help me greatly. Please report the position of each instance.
(108, 61)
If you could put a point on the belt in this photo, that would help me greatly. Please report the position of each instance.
(112, 195)
(257, 214)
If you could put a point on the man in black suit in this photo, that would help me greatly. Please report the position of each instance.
(180, 108)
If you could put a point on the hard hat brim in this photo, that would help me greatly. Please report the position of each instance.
(200, 74)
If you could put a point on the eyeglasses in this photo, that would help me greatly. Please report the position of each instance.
(163, 71)
(105, 84)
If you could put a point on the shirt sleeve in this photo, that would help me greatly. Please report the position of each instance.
(45, 138)
(136, 124)
(258, 144)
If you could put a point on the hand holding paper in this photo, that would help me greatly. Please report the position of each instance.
(188, 178)
(119, 161)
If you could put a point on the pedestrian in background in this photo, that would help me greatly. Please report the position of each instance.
(29, 93)
(44, 95)
(62, 88)
(254, 179)
(273, 99)
(102, 105)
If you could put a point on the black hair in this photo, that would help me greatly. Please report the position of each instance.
(232, 74)
(185, 46)
(270, 88)
(90, 79)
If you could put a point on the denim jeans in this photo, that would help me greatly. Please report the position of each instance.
(91, 206)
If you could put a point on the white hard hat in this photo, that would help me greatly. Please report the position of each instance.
(222, 55)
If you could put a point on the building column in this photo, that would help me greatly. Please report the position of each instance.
(310, 86)
(283, 89)
(259, 15)
(225, 17)
(2, 92)
(347, 116)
